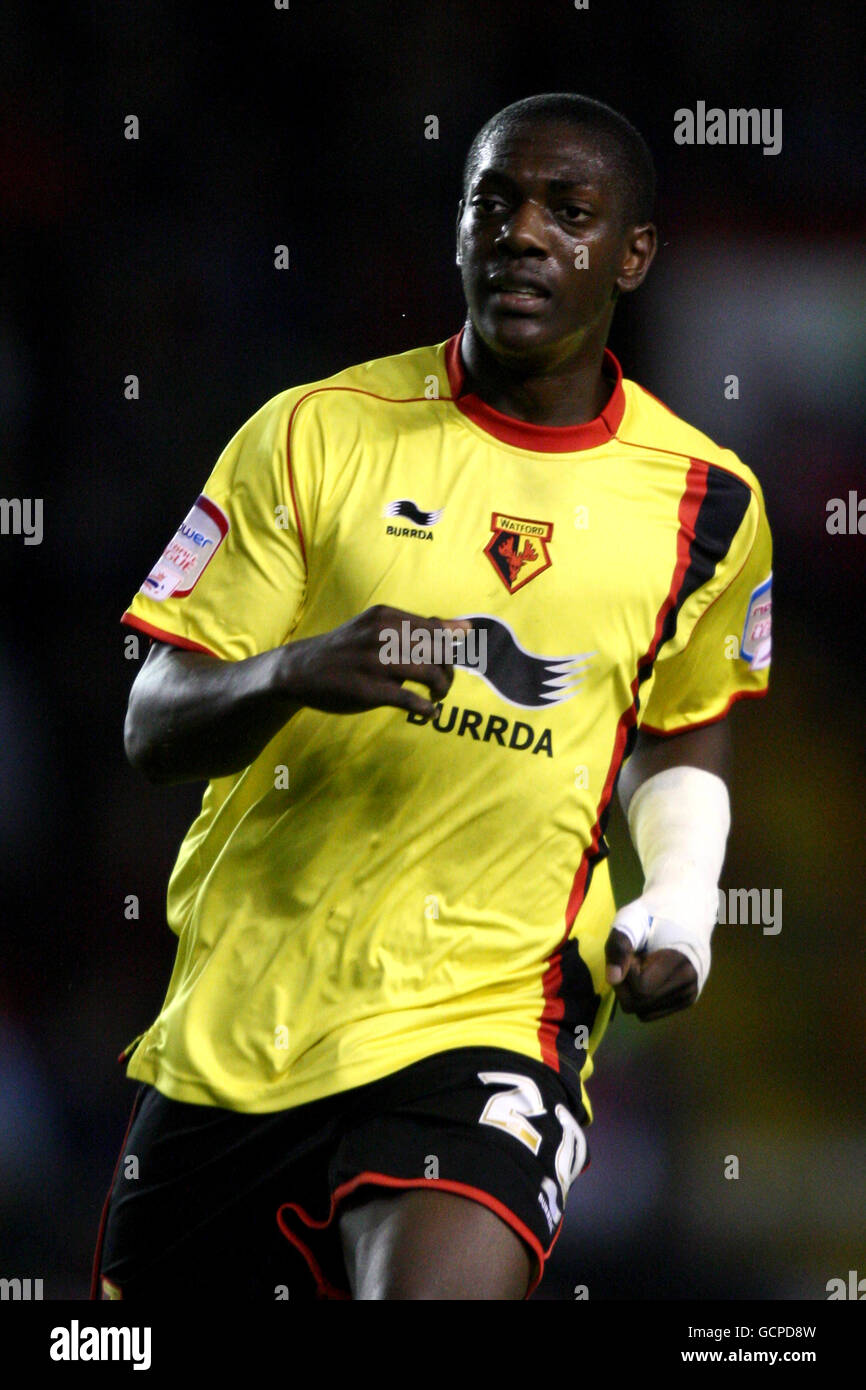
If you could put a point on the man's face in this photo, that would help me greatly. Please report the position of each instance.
(542, 243)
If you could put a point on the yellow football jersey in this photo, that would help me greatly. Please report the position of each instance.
(373, 890)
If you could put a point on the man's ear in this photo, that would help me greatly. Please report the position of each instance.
(641, 247)
(460, 207)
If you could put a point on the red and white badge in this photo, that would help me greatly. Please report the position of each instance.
(756, 645)
(189, 552)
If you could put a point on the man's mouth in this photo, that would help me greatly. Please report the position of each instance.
(517, 295)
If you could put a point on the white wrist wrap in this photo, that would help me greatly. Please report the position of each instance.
(679, 821)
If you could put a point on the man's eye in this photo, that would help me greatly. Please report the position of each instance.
(487, 204)
(574, 211)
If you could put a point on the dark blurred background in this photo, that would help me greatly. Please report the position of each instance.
(155, 257)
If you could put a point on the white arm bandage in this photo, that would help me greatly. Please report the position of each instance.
(679, 821)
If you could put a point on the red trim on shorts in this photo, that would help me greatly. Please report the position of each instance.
(324, 1288)
(100, 1235)
(132, 620)
(327, 1290)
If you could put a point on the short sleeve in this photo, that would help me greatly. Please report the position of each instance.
(232, 579)
(721, 651)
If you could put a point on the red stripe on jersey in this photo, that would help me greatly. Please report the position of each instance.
(554, 1008)
(132, 620)
(690, 504)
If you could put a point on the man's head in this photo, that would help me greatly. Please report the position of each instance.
(558, 193)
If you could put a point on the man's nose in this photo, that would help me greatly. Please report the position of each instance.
(524, 229)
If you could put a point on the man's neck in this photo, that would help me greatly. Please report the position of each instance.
(572, 394)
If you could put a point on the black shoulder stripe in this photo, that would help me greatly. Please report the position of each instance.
(719, 518)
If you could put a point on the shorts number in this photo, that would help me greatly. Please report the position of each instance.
(571, 1154)
(511, 1110)
(569, 1161)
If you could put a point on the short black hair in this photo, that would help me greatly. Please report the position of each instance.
(623, 146)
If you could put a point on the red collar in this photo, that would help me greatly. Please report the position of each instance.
(551, 439)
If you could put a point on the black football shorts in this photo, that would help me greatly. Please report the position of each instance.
(212, 1203)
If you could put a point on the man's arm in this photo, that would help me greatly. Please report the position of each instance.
(192, 716)
(708, 748)
(661, 982)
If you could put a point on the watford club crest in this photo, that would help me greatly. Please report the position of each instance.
(517, 549)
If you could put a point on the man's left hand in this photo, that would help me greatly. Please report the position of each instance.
(650, 984)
